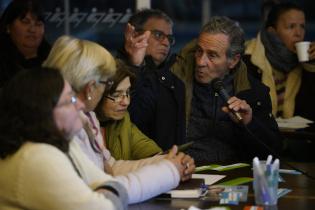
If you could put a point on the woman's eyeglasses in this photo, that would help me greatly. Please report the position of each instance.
(73, 100)
(119, 96)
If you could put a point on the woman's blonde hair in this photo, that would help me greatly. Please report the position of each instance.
(80, 61)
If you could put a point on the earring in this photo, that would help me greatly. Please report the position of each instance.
(89, 98)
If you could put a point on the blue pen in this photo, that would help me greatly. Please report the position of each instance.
(204, 189)
(288, 171)
(269, 159)
(268, 166)
(275, 179)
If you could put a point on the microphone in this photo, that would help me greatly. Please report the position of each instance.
(218, 86)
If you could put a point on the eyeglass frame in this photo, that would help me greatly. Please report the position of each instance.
(120, 97)
(73, 100)
(160, 35)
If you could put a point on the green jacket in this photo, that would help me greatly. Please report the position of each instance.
(125, 141)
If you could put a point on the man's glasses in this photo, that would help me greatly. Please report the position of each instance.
(160, 36)
(119, 96)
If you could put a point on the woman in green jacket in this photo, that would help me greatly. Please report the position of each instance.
(123, 139)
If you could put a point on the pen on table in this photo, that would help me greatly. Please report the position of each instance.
(203, 187)
(289, 171)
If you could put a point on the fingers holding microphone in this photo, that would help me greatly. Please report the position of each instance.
(240, 107)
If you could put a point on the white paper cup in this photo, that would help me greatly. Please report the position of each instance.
(301, 50)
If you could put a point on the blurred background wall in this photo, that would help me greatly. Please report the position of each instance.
(103, 21)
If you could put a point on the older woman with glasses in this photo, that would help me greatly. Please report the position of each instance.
(83, 64)
(123, 139)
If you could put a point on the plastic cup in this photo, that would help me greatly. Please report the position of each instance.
(265, 185)
(301, 50)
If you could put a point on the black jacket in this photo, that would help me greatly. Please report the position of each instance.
(12, 61)
(157, 103)
(218, 138)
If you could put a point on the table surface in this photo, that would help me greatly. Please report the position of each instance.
(302, 196)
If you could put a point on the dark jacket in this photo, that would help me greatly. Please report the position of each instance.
(12, 61)
(303, 105)
(222, 139)
(157, 103)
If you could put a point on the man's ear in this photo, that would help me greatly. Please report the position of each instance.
(233, 61)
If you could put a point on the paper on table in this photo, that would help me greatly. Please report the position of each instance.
(209, 179)
(295, 122)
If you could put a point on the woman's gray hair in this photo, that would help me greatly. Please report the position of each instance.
(80, 61)
(231, 28)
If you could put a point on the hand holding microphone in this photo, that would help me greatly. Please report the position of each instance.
(238, 109)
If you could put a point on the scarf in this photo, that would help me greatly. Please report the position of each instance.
(277, 53)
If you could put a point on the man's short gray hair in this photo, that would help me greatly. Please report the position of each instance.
(231, 28)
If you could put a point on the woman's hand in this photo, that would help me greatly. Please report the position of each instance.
(190, 166)
(184, 163)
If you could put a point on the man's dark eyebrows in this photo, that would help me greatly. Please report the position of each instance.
(208, 51)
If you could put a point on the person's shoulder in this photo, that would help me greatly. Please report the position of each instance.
(40, 158)
(40, 151)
